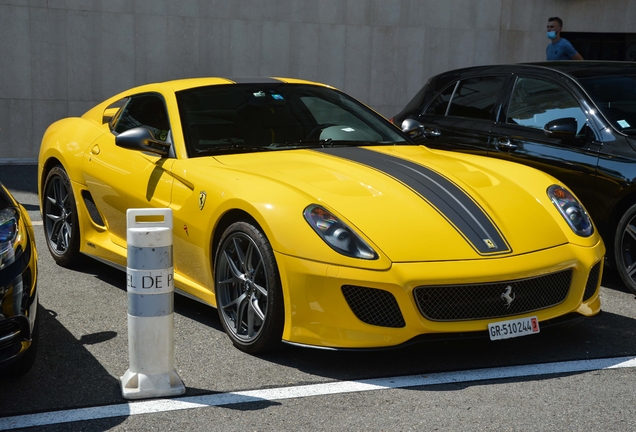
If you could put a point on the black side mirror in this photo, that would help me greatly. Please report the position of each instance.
(142, 139)
(561, 128)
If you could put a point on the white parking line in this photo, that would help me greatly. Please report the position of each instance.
(36, 222)
(220, 399)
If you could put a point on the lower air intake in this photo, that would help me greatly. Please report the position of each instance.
(374, 306)
(592, 281)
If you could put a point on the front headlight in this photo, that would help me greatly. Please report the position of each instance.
(571, 210)
(10, 235)
(336, 234)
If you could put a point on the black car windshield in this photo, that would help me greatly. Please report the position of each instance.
(615, 96)
(260, 117)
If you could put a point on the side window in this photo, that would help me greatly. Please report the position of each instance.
(146, 111)
(440, 103)
(476, 98)
(535, 102)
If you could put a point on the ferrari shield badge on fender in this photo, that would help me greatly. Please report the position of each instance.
(202, 196)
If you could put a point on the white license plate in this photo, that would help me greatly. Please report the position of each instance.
(513, 328)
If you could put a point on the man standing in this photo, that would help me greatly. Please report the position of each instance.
(559, 48)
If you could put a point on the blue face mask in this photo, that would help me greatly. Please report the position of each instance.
(552, 34)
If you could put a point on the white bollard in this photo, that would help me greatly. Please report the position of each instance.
(150, 286)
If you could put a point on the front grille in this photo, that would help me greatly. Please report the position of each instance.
(470, 302)
(374, 306)
(592, 281)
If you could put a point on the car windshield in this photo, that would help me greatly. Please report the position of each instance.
(236, 118)
(615, 96)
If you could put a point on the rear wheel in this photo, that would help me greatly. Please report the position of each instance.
(248, 289)
(625, 248)
(60, 217)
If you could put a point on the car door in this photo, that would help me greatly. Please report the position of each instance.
(118, 178)
(520, 135)
(462, 115)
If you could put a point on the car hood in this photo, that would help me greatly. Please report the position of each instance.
(415, 204)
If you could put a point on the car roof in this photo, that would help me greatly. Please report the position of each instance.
(188, 83)
(576, 69)
(588, 69)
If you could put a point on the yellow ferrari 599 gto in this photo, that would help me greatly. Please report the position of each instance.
(305, 217)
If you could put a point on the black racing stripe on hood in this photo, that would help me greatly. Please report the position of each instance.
(452, 202)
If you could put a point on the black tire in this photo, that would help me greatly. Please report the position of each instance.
(248, 290)
(61, 227)
(625, 248)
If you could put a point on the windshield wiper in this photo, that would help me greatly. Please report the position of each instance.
(344, 143)
(232, 148)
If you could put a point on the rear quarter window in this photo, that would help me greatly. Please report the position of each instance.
(476, 98)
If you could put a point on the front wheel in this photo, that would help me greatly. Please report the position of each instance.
(248, 289)
(625, 248)
(60, 217)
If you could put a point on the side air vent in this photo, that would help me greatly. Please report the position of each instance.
(374, 306)
(92, 208)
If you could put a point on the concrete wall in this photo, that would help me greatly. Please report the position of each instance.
(60, 57)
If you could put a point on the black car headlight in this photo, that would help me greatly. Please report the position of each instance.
(571, 210)
(337, 234)
(11, 237)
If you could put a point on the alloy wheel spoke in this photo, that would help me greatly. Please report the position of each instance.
(631, 231)
(258, 269)
(56, 230)
(58, 193)
(242, 308)
(251, 331)
(239, 253)
(66, 235)
(52, 201)
(236, 273)
(249, 256)
(261, 290)
(57, 220)
(256, 308)
(235, 303)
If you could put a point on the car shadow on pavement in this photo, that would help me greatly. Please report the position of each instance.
(65, 374)
(185, 306)
(587, 339)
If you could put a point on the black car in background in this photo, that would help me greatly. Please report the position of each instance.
(18, 288)
(575, 120)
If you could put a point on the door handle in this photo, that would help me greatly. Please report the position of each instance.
(504, 144)
(432, 132)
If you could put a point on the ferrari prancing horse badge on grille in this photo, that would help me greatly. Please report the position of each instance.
(507, 297)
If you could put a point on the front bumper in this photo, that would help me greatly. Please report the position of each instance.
(18, 305)
(318, 313)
